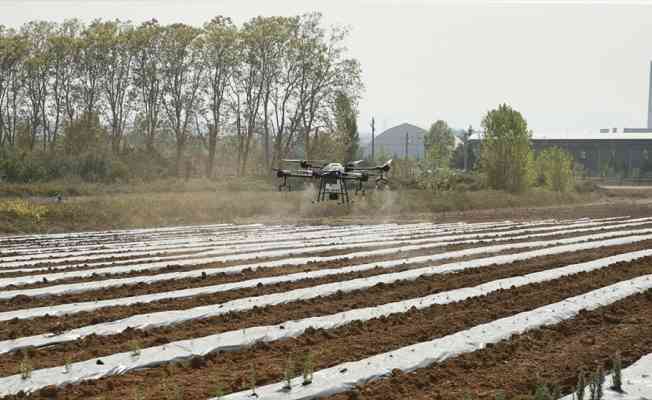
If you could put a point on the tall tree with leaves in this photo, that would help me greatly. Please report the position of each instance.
(117, 66)
(250, 84)
(220, 58)
(506, 152)
(36, 76)
(346, 117)
(147, 77)
(439, 142)
(13, 49)
(182, 77)
(64, 47)
(90, 67)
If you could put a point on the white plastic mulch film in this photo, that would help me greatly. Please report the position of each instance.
(465, 341)
(45, 259)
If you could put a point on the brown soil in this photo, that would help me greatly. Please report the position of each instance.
(350, 342)
(625, 326)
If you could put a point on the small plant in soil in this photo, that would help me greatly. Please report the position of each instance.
(25, 368)
(543, 393)
(67, 366)
(135, 347)
(617, 376)
(580, 388)
(596, 390)
(555, 391)
(252, 380)
(289, 373)
(218, 390)
(308, 369)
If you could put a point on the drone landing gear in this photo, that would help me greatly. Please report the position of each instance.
(342, 193)
(359, 189)
(381, 183)
(285, 185)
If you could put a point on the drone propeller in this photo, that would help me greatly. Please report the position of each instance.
(308, 163)
(383, 168)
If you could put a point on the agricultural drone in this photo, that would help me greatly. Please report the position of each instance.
(333, 177)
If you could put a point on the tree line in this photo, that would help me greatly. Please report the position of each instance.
(264, 90)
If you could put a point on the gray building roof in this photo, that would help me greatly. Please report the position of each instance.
(392, 142)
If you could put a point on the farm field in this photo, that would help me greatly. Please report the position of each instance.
(420, 310)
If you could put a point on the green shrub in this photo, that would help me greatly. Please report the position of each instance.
(506, 155)
(555, 169)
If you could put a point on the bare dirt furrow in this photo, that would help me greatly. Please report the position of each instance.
(355, 341)
(374, 296)
(332, 347)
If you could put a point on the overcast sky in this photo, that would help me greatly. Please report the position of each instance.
(566, 67)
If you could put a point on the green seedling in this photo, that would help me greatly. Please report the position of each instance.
(252, 380)
(308, 369)
(135, 347)
(580, 389)
(289, 373)
(617, 376)
(25, 368)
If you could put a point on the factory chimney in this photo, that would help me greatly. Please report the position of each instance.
(649, 101)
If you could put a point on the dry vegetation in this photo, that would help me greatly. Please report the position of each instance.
(34, 208)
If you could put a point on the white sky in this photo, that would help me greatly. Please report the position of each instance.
(566, 66)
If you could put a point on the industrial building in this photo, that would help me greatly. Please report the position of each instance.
(610, 152)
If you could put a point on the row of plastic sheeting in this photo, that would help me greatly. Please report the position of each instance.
(207, 247)
(90, 253)
(103, 284)
(81, 256)
(342, 377)
(347, 376)
(171, 317)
